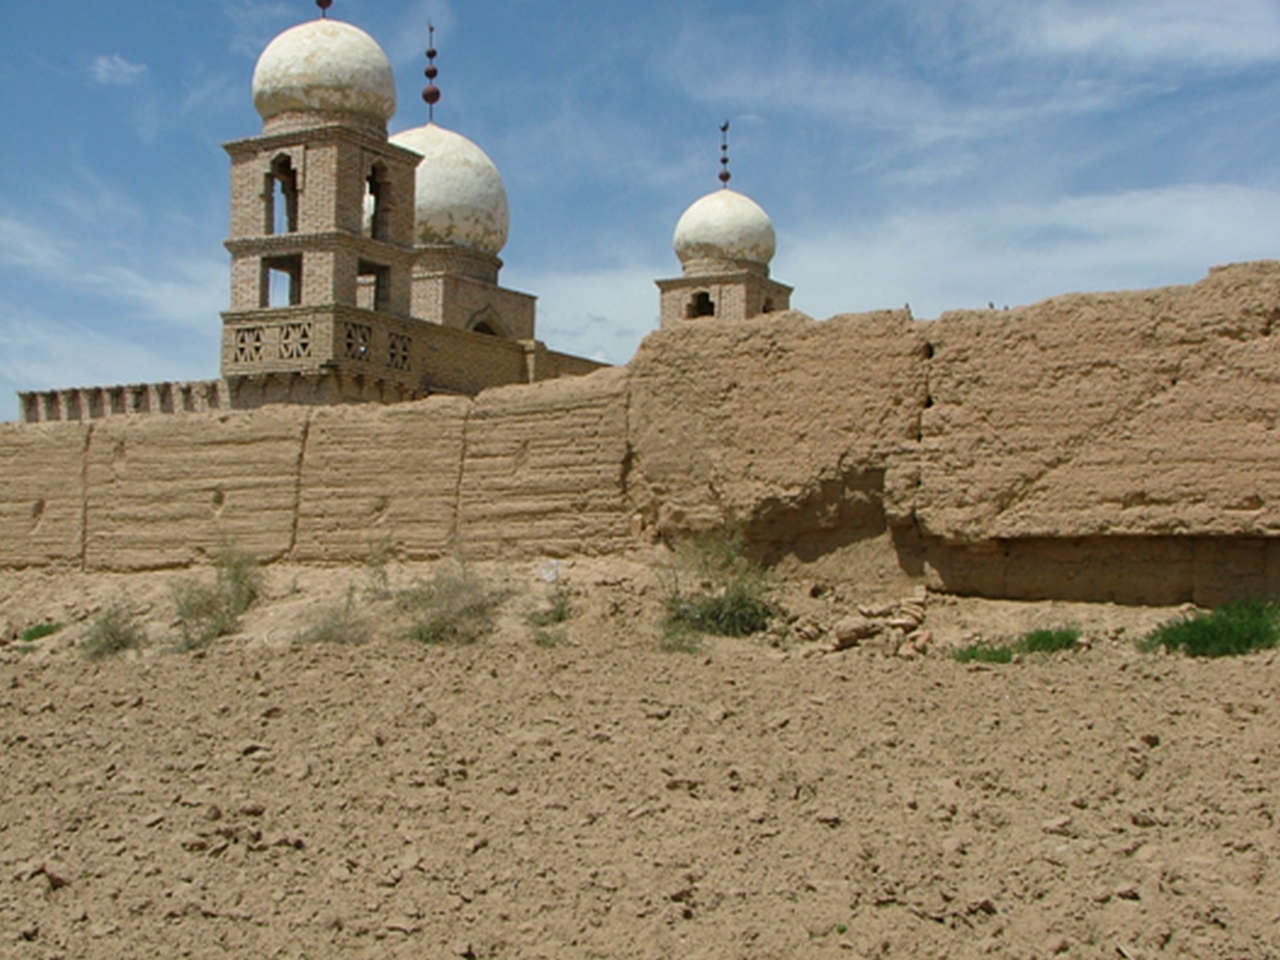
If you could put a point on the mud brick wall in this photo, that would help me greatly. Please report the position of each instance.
(1109, 446)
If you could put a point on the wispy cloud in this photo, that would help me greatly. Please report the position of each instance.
(602, 314)
(59, 354)
(23, 244)
(113, 70)
(1015, 253)
(1182, 33)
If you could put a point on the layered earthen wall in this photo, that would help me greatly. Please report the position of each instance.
(1110, 447)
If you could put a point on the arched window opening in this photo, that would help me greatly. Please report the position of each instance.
(281, 197)
(768, 306)
(373, 290)
(700, 306)
(281, 281)
(375, 202)
(484, 328)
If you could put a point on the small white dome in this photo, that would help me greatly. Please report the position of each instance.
(724, 225)
(324, 65)
(459, 196)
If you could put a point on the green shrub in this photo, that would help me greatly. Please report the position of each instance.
(454, 606)
(206, 612)
(239, 578)
(340, 623)
(114, 631)
(984, 653)
(731, 599)
(1048, 641)
(1234, 628)
(39, 631)
(1034, 641)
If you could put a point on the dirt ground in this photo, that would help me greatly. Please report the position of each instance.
(602, 797)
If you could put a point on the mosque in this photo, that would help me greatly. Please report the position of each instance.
(364, 268)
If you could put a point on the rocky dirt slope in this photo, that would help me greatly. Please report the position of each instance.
(604, 798)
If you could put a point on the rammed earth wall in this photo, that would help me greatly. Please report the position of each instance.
(1108, 447)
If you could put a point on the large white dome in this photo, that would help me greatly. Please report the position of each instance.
(724, 225)
(459, 196)
(324, 65)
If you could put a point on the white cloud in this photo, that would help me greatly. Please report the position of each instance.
(1174, 32)
(602, 314)
(1015, 253)
(116, 71)
(25, 245)
(188, 293)
(58, 354)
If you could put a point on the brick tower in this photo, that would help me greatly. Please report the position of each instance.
(321, 235)
(724, 241)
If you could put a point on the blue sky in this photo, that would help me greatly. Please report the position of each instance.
(945, 153)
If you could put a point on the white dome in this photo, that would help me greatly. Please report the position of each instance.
(324, 65)
(724, 225)
(459, 198)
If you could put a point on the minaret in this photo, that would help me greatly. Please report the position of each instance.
(724, 241)
(460, 226)
(319, 288)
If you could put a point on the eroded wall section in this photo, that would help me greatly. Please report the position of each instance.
(1111, 446)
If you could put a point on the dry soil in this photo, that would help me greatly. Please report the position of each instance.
(602, 797)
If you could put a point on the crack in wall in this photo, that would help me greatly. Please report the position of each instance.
(84, 498)
(455, 529)
(297, 484)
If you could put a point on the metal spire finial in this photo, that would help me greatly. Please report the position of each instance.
(724, 155)
(431, 93)
(324, 6)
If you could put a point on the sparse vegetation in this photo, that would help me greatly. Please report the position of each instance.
(376, 568)
(1232, 629)
(1035, 641)
(559, 609)
(206, 612)
(38, 632)
(1048, 641)
(454, 606)
(731, 598)
(339, 623)
(114, 631)
(984, 653)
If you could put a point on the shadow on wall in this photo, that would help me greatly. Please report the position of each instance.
(846, 513)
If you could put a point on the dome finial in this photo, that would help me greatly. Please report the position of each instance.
(724, 154)
(324, 6)
(431, 93)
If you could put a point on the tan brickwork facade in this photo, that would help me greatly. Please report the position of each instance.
(730, 294)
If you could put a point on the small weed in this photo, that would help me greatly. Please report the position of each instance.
(732, 600)
(453, 606)
(1035, 641)
(842, 928)
(207, 612)
(679, 637)
(376, 569)
(340, 623)
(114, 631)
(39, 631)
(983, 653)
(558, 610)
(548, 638)
(1232, 629)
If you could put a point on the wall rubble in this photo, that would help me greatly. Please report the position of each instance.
(1110, 446)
